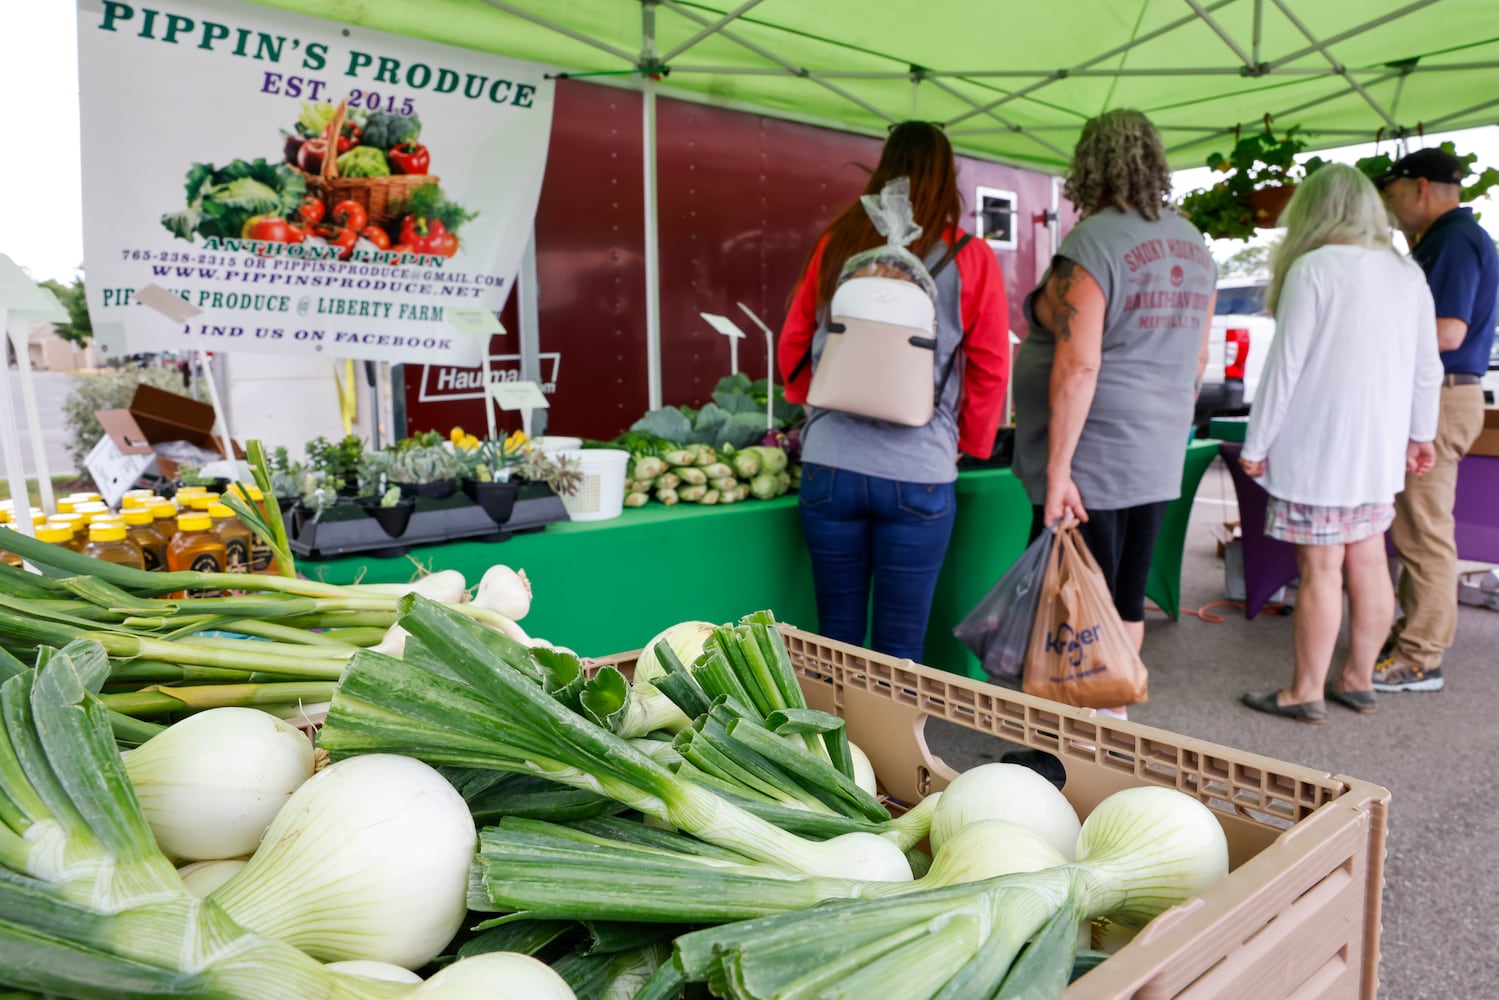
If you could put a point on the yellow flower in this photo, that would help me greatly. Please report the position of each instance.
(469, 442)
(515, 442)
(455, 435)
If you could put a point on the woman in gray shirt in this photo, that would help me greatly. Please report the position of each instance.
(1105, 380)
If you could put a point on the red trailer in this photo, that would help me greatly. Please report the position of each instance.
(741, 200)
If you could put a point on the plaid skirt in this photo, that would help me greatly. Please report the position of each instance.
(1308, 524)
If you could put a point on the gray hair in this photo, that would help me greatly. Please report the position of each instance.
(1119, 160)
(1336, 204)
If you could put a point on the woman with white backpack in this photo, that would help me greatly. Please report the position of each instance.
(875, 311)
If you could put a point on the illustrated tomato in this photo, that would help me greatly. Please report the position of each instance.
(342, 237)
(312, 210)
(445, 245)
(410, 158)
(268, 228)
(351, 214)
(348, 136)
(297, 233)
(401, 251)
(310, 156)
(377, 236)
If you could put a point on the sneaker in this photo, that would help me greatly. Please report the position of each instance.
(1391, 675)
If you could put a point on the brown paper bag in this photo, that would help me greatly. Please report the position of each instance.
(1079, 653)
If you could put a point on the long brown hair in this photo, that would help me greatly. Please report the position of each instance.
(920, 151)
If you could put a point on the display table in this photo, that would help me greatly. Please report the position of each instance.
(1270, 564)
(607, 586)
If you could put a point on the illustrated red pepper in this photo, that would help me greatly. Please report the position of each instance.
(312, 210)
(351, 214)
(409, 158)
(377, 236)
(422, 234)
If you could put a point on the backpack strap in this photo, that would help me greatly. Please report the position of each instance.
(947, 258)
(952, 360)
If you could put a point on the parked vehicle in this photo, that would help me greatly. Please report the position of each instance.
(1237, 347)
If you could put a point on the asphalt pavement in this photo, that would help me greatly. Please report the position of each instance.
(52, 388)
(1435, 752)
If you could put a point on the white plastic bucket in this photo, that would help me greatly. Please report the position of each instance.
(601, 494)
(551, 444)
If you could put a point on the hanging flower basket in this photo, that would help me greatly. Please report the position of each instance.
(1267, 203)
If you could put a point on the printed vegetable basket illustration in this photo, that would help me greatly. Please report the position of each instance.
(383, 198)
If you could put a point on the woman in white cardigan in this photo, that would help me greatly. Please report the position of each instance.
(1347, 404)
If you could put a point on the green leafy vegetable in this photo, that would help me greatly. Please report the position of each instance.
(384, 130)
(314, 118)
(363, 161)
(221, 200)
(429, 202)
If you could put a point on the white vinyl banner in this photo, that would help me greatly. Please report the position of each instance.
(211, 169)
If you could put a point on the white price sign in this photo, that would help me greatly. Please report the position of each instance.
(518, 396)
(479, 322)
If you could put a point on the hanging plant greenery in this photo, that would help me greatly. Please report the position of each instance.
(1260, 172)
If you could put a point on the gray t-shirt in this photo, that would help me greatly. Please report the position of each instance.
(1157, 280)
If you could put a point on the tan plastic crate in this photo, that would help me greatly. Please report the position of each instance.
(1298, 915)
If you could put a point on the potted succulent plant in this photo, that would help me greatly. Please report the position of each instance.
(391, 510)
(1260, 176)
(486, 469)
(337, 462)
(425, 465)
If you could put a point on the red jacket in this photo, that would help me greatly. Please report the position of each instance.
(986, 346)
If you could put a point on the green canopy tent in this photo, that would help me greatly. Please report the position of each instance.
(1012, 82)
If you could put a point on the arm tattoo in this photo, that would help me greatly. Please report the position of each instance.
(1064, 278)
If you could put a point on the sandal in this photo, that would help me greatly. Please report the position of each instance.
(1362, 702)
(1314, 712)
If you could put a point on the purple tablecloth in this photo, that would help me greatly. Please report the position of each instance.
(1270, 564)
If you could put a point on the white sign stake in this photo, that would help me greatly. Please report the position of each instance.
(526, 397)
(10, 441)
(770, 366)
(482, 323)
(726, 326)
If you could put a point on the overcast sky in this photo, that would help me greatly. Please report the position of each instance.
(41, 220)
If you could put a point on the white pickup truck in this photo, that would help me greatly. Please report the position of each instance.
(1237, 348)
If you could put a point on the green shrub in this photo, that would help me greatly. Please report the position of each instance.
(106, 390)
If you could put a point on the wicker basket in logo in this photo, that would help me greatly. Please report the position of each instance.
(383, 198)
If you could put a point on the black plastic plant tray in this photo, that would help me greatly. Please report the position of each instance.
(346, 529)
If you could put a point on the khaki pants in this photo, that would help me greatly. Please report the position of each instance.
(1424, 535)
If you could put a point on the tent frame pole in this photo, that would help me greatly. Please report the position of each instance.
(652, 232)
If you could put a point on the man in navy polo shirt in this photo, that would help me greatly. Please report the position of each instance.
(1422, 192)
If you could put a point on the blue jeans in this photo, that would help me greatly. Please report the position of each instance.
(863, 529)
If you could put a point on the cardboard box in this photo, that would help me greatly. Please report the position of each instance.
(1298, 914)
(1488, 438)
(136, 438)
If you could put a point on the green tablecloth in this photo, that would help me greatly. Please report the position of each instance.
(606, 586)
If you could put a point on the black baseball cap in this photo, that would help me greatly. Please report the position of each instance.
(1433, 164)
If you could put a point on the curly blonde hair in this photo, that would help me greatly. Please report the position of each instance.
(1119, 161)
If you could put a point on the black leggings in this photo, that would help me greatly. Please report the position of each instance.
(1122, 541)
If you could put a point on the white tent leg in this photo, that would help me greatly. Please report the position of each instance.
(652, 254)
(226, 437)
(10, 442)
(33, 419)
(530, 321)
